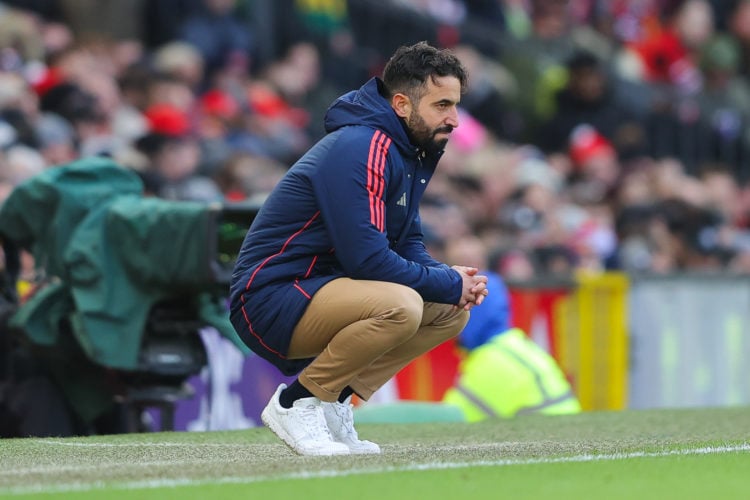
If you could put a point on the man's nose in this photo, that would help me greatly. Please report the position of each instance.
(452, 118)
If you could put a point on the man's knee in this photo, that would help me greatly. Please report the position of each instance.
(404, 312)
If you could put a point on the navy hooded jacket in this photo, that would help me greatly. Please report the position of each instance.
(348, 207)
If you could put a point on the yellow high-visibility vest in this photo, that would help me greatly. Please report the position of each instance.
(511, 375)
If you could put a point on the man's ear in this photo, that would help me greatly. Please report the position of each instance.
(401, 105)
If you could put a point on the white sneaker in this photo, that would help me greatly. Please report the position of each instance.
(340, 420)
(303, 426)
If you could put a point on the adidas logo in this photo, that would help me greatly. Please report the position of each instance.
(402, 200)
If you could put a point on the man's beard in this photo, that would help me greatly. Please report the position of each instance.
(423, 137)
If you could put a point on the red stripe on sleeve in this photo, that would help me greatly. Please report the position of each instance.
(381, 170)
(375, 180)
(371, 176)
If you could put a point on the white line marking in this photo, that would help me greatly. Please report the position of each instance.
(140, 445)
(170, 483)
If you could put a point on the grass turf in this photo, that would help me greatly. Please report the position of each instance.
(629, 454)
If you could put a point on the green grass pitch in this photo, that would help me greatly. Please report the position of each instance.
(664, 454)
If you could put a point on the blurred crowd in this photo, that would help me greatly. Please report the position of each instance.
(594, 135)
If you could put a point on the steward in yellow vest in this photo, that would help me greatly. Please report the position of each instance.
(510, 375)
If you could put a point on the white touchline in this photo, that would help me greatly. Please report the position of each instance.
(145, 444)
(166, 483)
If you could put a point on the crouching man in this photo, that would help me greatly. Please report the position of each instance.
(333, 281)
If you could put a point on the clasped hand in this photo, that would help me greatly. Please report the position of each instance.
(474, 287)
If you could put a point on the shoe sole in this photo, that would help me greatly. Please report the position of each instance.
(355, 451)
(269, 422)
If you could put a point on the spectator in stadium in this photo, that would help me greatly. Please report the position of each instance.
(725, 100)
(588, 97)
(221, 36)
(247, 177)
(671, 55)
(333, 281)
(172, 157)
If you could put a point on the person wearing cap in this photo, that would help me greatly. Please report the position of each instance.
(174, 155)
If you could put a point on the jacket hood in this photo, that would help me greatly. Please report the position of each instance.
(366, 106)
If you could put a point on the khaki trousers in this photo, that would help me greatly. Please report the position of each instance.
(362, 333)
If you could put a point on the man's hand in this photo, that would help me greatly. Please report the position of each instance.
(474, 287)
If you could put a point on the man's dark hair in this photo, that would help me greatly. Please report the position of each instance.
(408, 69)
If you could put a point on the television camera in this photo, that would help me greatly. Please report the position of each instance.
(124, 284)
